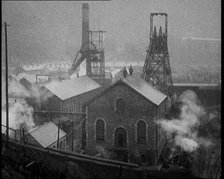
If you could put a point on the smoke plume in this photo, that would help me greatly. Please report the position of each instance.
(40, 95)
(20, 113)
(184, 122)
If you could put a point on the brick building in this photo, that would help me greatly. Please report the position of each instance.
(68, 96)
(65, 99)
(122, 118)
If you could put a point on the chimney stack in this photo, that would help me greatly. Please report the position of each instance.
(85, 22)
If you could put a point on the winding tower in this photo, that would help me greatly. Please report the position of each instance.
(92, 50)
(157, 70)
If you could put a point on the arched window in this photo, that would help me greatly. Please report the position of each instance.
(100, 130)
(141, 132)
(120, 106)
(71, 108)
(120, 137)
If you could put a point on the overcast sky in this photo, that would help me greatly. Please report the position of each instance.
(51, 31)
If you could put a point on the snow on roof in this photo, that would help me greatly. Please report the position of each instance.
(47, 134)
(115, 71)
(109, 64)
(133, 63)
(29, 77)
(123, 63)
(141, 63)
(66, 89)
(144, 88)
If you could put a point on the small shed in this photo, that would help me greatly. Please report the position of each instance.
(46, 136)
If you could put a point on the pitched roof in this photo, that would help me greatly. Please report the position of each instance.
(66, 89)
(108, 75)
(140, 86)
(144, 88)
(29, 77)
(47, 134)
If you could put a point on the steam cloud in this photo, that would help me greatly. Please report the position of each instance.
(20, 113)
(184, 127)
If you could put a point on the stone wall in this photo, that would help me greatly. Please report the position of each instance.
(50, 163)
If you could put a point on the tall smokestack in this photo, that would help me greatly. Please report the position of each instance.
(85, 22)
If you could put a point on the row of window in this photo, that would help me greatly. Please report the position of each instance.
(68, 108)
(141, 131)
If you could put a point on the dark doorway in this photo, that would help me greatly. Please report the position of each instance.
(120, 138)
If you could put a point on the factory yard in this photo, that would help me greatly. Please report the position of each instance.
(103, 108)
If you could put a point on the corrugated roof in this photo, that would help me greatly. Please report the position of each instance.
(66, 89)
(47, 134)
(144, 88)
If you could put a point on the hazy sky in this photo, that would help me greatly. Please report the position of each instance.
(52, 30)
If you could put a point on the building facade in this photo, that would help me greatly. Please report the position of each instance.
(122, 118)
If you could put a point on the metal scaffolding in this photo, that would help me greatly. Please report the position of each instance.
(157, 70)
(92, 50)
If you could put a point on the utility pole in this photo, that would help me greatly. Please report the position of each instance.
(72, 138)
(58, 133)
(6, 85)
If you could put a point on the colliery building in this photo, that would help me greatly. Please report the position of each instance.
(67, 97)
(122, 118)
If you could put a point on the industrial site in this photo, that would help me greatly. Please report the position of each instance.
(111, 89)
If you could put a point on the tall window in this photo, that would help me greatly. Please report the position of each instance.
(120, 139)
(120, 106)
(100, 130)
(71, 108)
(141, 132)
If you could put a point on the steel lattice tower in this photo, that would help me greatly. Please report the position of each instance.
(157, 69)
(92, 50)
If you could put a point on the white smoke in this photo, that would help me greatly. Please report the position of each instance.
(186, 144)
(20, 114)
(17, 90)
(184, 128)
(40, 95)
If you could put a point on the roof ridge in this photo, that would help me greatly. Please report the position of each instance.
(135, 75)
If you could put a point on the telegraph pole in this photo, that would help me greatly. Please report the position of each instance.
(6, 85)
(58, 133)
(72, 137)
